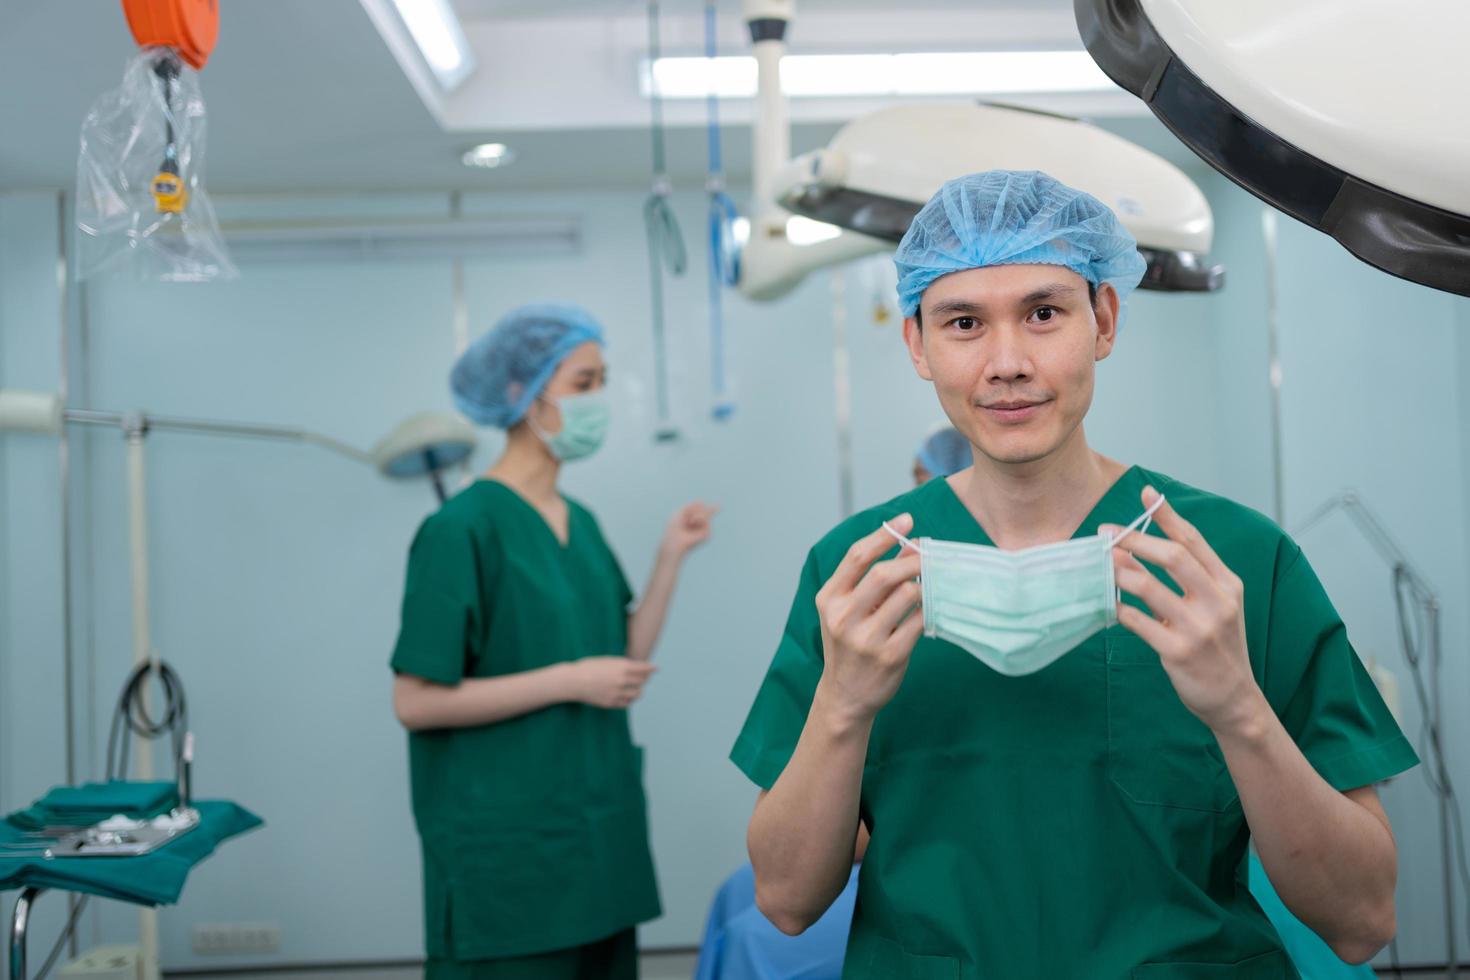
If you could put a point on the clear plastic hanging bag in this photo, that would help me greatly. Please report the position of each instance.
(141, 205)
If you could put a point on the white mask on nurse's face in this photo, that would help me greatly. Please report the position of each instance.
(1019, 611)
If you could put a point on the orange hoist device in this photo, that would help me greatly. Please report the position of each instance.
(187, 29)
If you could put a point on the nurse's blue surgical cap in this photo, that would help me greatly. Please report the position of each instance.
(501, 373)
(1014, 217)
(945, 452)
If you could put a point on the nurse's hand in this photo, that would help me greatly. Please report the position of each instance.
(608, 682)
(688, 529)
(870, 617)
(1200, 635)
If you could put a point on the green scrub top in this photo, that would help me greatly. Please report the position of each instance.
(1079, 821)
(534, 830)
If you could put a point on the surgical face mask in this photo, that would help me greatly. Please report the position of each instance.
(1019, 611)
(584, 421)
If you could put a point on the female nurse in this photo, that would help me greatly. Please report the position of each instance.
(517, 658)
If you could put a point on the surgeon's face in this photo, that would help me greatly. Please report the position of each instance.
(1012, 350)
(580, 372)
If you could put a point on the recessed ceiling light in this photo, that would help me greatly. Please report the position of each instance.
(488, 155)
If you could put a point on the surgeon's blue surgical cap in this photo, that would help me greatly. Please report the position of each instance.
(500, 374)
(1014, 217)
(945, 452)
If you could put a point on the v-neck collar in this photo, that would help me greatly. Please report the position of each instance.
(535, 511)
(953, 520)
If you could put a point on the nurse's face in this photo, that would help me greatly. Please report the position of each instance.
(1012, 351)
(582, 371)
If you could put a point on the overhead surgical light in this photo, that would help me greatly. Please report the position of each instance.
(880, 170)
(1344, 118)
(436, 30)
(805, 231)
(868, 75)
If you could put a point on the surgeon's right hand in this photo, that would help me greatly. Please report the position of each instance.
(870, 617)
(608, 682)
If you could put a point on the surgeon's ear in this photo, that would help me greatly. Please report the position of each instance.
(913, 335)
(1105, 312)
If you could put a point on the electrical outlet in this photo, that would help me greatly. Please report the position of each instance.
(237, 937)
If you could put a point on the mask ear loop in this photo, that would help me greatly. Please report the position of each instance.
(1141, 525)
(901, 539)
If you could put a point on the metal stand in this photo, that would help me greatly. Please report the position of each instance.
(19, 921)
(1388, 549)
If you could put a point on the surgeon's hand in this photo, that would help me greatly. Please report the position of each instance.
(608, 682)
(870, 617)
(1199, 635)
(688, 529)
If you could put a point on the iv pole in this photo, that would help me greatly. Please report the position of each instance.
(1406, 576)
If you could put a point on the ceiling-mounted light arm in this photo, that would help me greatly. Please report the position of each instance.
(771, 263)
(148, 422)
(767, 21)
(422, 445)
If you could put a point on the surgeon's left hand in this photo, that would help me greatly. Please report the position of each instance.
(1200, 635)
(688, 529)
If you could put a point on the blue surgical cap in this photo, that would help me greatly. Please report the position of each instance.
(501, 373)
(1014, 217)
(945, 452)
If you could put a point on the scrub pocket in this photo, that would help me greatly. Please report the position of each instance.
(1159, 753)
(1271, 965)
(885, 960)
(503, 884)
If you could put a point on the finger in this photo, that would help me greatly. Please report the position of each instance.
(1180, 530)
(1145, 627)
(908, 632)
(882, 579)
(888, 615)
(863, 553)
(1138, 581)
(1169, 555)
(641, 668)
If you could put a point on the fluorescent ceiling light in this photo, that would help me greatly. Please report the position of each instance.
(488, 155)
(816, 75)
(441, 40)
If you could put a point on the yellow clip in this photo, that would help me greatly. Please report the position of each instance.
(169, 193)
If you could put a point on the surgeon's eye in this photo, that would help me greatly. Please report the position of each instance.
(965, 324)
(1045, 314)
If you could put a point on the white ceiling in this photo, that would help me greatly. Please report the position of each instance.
(305, 95)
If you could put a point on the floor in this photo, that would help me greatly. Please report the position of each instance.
(655, 966)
